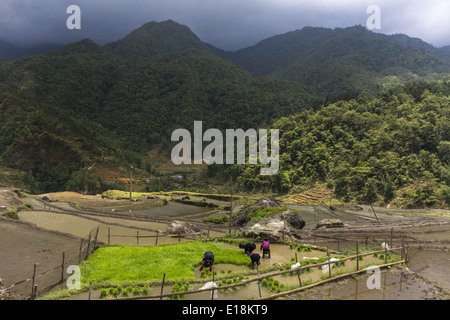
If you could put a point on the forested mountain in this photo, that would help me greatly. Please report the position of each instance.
(339, 61)
(395, 147)
(91, 102)
(85, 104)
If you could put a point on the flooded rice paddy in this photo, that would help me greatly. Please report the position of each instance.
(43, 234)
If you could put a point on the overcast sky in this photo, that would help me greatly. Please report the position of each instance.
(226, 24)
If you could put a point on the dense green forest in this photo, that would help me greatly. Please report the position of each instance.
(364, 114)
(393, 147)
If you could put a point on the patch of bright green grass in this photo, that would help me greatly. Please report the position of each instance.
(120, 264)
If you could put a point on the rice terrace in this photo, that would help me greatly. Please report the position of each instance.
(197, 153)
(155, 252)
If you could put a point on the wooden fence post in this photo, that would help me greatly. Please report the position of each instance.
(137, 237)
(212, 291)
(259, 281)
(329, 262)
(33, 289)
(385, 253)
(162, 285)
(157, 235)
(401, 250)
(62, 267)
(95, 239)
(298, 271)
(109, 236)
(81, 249)
(357, 256)
(89, 242)
(90, 290)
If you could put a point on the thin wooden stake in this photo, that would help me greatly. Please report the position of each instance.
(357, 256)
(259, 281)
(162, 286)
(81, 248)
(212, 291)
(329, 263)
(298, 271)
(89, 242)
(157, 235)
(137, 237)
(90, 290)
(96, 237)
(109, 236)
(385, 253)
(62, 267)
(33, 292)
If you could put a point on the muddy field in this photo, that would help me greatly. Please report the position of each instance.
(44, 232)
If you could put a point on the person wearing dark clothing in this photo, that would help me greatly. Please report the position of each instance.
(248, 247)
(265, 248)
(255, 257)
(208, 259)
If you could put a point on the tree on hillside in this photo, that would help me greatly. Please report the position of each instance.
(370, 195)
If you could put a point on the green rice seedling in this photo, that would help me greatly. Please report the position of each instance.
(230, 271)
(222, 271)
(136, 290)
(119, 289)
(103, 293)
(146, 290)
(110, 290)
(115, 293)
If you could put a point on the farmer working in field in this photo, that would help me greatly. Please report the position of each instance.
(265, 248)
(248, 247)
(255, 257)
(208, 259)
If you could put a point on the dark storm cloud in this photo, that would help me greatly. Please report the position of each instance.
(227, 24)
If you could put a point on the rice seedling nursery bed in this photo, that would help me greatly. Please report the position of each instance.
(137, 271)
